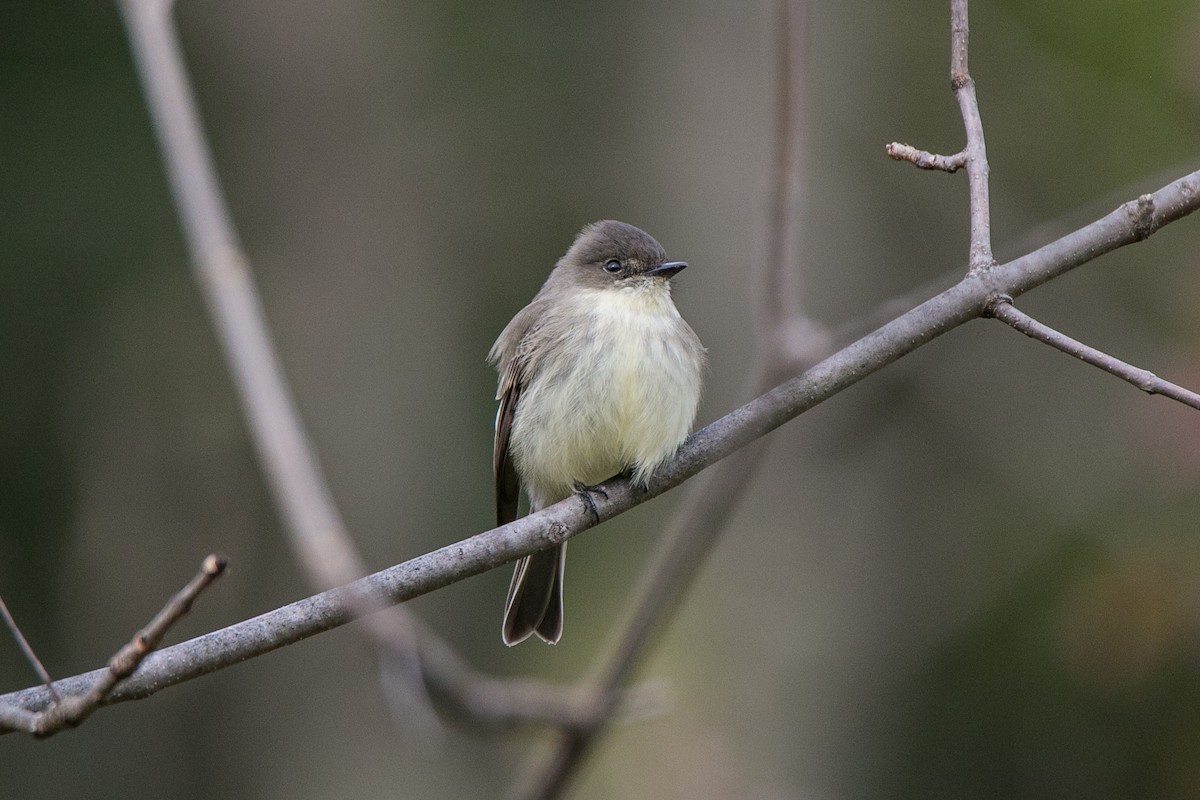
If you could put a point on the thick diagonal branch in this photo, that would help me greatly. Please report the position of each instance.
(965, 301)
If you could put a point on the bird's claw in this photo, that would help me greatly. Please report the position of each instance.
(586, 492)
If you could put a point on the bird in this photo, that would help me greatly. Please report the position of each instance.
(598, 376)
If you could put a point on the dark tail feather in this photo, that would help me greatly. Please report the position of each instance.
(535, 598)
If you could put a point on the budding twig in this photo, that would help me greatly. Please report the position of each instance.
(925, 159)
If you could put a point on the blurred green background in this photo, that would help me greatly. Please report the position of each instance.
(974, 575)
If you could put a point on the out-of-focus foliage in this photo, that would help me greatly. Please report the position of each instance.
(972, 575)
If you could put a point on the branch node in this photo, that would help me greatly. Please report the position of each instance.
(991, 309)
(557, 532)
(1142, 212)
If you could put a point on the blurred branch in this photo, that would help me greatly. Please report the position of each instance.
(1002, 309)
(789, 338)
(315, 530)
(967, 300)
(787, 341)
(661, 587)
(73, 707)
(510, 702)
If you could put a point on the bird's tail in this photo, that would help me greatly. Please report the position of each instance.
(535, 597)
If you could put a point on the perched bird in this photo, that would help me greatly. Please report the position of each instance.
(599, 375)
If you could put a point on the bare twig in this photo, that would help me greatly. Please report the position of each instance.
(973, 156)
(26, 649)
(1002, 309)
(927, 160)
(71, 709)
(975, 151)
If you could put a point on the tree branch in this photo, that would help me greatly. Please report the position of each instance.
(974, 155)
(965, 301)
(1002, 309)
(316, 532)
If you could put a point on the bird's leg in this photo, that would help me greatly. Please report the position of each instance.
(586, 492)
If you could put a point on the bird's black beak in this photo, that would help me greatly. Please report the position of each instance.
(668, 269)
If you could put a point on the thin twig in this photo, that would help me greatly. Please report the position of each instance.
(976, 153)
(973, 156)
(26, 649)
(1003, 310)
(925, 159)
(71, 709)
(965, 301)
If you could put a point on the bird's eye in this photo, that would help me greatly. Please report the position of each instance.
(612, 266)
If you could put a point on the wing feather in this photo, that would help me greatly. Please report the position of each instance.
(508, 487)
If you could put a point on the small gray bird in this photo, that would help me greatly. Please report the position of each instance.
(598, 375)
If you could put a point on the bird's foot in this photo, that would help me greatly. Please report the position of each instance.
(585, 492)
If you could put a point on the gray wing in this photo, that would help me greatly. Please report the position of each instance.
(511, 355)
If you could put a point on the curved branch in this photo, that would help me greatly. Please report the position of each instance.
(314, 528)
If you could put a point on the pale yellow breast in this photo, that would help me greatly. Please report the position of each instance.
(621, 391)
